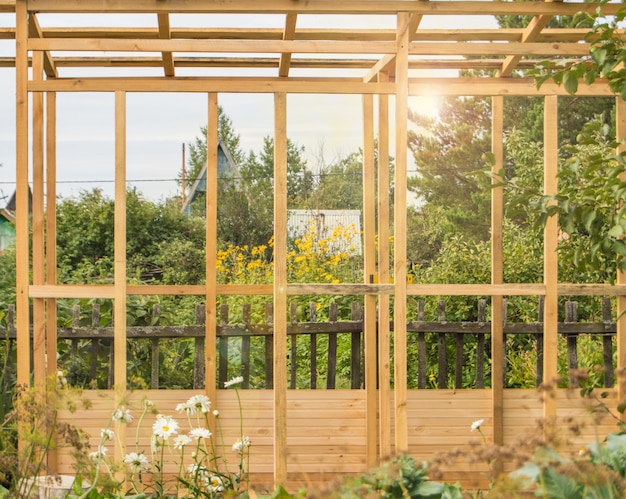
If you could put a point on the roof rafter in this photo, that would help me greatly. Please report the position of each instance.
(532, 32)
(34, 31)
(164, 34)
(288, 34)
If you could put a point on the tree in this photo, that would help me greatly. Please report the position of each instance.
(340, 185)
(448, 155)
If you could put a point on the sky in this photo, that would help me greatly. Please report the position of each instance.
(329, 127)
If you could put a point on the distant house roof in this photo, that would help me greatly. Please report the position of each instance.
(326, 221)
(226, 167)
(11, 205)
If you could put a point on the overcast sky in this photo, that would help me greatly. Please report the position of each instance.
(329, 127)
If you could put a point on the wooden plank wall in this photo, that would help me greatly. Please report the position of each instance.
(326, 433)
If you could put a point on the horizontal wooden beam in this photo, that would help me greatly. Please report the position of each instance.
(212, 46)
(560, 35)
(315, 7)
(494, 49)
(271, 62)
(305, 47)
(512, 289)
(206, 62)
(481, 87)
(231, 85)
(7, 6)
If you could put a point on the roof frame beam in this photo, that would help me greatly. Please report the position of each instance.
(288, 34)
(165, 34)
(34, 31)
(389, 7)
(531, 34)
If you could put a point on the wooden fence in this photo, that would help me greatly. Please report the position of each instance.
(447, 339)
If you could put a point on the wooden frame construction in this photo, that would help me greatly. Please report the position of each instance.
(385, 66)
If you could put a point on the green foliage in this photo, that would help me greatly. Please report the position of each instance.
(400, 477)
(448, 155)
(589, 204)
(598, 473)
(7, 278)
(606, 57)
(34, 415)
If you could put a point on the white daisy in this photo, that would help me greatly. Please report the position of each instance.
(106, 434)
(198, 433)
(477, 424)
(234, 381)
(122, 415)
(215, 484)
(180, 441)
(199, 403)
(165, 426)
(137, 462)
(239, 445)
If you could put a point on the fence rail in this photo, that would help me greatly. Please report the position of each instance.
(438, 345)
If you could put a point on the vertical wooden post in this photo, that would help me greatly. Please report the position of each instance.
(550, 256)
(620, 126)
(210, 324)
(119, 271)
(22, 249)
(497, 277)
(384, 364)
(51, 231)
(280, 288)
(39, 352)
(399, 220)
(369, 268)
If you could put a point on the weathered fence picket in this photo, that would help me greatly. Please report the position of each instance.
(450, 338)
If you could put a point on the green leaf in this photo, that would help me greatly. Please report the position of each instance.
(598, 55)
(619, 247)
(616, 231)
(427, 489)
(558, 486)
(588, 217)
(570, 82)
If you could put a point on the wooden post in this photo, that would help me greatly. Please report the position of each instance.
(210, 324)
(369, 268)
(269, 348)
(497, 277)
(51, 231)
(245, 348)
(39, 353)
(119, 302)
(607, 345)
(384, 364)
(332, 349)
(550, 256)
(155, 367)
(399, 220)
(199, 367)
(280, 288)
(22, 249)
(620, 125)
(223, 346)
